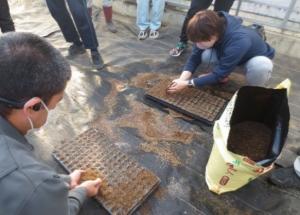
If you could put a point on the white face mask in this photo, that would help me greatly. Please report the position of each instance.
(31, 123)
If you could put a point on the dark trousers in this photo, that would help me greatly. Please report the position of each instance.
(197, 5)
(6, 22)
(83, 22)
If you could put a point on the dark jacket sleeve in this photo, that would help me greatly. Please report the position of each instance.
(230, 58)
(52, 196)
(76, 199)
(194, 60)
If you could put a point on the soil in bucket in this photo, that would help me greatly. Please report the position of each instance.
(251, 139)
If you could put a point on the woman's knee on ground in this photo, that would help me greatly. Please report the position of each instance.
(258, 70)
(209, 56)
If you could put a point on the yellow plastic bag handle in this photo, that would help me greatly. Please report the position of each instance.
(285, 84)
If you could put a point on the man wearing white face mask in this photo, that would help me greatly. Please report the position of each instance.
(37, 107)
(33, 79)
(221, 40)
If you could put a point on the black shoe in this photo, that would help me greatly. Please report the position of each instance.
(285, 178)
(75, 50)
(97, 59)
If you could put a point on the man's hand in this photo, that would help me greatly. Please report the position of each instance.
(91, 186)
(75, 178)
(177, 85)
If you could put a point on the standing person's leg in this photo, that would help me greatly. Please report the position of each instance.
(223, 5)
(142, 18)
(196, 5)
(107, 9)
(83, 23)
(89, 4)
(60, 13)
(157, 12)
(6, 22)
(258, 70)
(85, 28)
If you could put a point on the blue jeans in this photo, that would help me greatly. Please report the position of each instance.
(105, 3)
(143, 20)
(257, 69)
(82, 21)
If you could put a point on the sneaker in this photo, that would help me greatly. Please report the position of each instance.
(143, 35)
(111, 27)
(75, 50)
(180, 47)
(285, 178)
(153, 34)
(97, 59)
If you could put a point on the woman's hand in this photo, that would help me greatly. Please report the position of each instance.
(177, 85)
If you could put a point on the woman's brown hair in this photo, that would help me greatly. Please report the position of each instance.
(204, 25)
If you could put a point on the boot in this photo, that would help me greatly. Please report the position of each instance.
(108, 18)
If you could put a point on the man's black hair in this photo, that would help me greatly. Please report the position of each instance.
(29, 67)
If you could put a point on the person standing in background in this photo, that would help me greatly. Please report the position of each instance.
(152, 23)
(107, 10)
(81, 33)
(6, 22)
